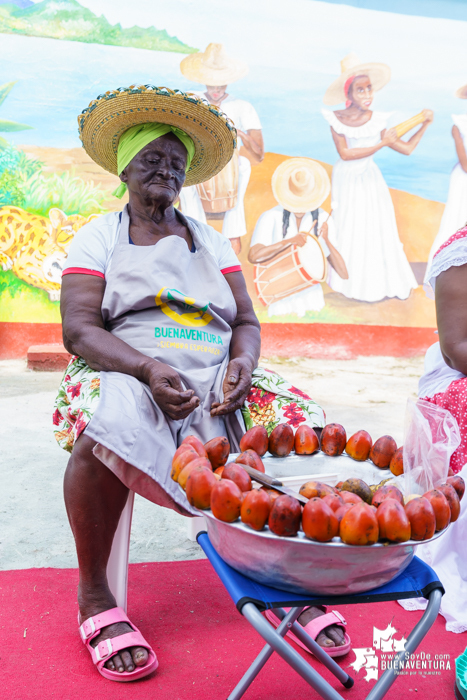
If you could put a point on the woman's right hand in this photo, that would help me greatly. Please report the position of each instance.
(168, 392)
(389, 137)
(300, 239)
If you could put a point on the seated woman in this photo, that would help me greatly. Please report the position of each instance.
(444, 381)
(164, 337)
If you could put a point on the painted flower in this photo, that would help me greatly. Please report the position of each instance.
(67, 378)
(294, 413)
(74, 390)
(57, 417)
(260, 397)
(299, 392)
(95, 383)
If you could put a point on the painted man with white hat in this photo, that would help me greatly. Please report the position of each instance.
(300, 186)
(216, 70)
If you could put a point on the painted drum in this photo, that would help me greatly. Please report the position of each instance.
(219, 194)
(291, 271)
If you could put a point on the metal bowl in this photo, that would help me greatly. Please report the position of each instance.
(302, 566)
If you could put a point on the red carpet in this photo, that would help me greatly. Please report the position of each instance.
(203, 644)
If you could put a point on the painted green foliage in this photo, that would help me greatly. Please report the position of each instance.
(24, 184)
(67, 19)
(5, 124)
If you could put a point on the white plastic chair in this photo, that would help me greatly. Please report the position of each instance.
(117, 567)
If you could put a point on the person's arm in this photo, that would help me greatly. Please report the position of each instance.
(253, 142)
(259, 253)
(84, 334)
(245, 347)
(460, 148)
(334, 257)
(406, 147)
(451, 313)
(347, 153)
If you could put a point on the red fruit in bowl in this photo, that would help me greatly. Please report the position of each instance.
(349, 497)
(285, 516)
(340, 512)
(319, 521)
(251, 459)
(236, 473)
(196, 444)
(255, 509)
(393, 522)
(359, 445)
(255, 439)
(333, 439)
(422, 518)
(458, 483)
(383, 451)
(334, 501)
(386, 491)
(226, 501)
(281, 440)
(306, 440)
(218, 450)
(453, 499)
(359, 526)
(199, 486)
(396, 465)
(441, 508)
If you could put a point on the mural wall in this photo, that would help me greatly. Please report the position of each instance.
(352, 166)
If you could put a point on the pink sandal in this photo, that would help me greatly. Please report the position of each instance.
(92, 627)
(314, 628)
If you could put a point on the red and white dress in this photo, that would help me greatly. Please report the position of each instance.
(447, 388)
(440, 384)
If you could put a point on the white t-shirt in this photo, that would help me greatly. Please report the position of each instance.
(268, 229)
(92, 247)
(241, 112)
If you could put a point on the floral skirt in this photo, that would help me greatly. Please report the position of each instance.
(272, 400)
(454, 400)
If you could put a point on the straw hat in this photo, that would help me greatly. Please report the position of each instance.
(107, 117)
(300, 184)
(462, 92)
(379, 74)
(213, 67)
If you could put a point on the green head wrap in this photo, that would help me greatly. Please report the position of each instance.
(137, 137)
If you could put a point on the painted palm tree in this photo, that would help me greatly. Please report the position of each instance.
(5, 124)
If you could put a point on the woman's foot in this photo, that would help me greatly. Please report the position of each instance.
(95, 602)
(332, 636)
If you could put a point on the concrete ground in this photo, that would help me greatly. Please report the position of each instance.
(367, 393)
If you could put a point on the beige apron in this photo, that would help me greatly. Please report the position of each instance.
(176, 307)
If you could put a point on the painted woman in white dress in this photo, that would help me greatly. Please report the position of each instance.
(455, 212)
(366, 230)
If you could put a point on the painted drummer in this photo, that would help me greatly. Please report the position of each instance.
(300, 186)
(222, 197)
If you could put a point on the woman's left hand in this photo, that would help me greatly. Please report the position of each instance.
(236, 386)
(428, 115)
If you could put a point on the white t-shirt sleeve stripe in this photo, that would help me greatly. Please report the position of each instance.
(92, 246)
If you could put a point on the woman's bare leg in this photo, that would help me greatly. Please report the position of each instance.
(94, 499)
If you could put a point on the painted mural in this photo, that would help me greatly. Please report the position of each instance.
(330, 222)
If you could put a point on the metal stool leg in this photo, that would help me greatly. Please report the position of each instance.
(380, 689)
(263, 656)
(284, 650)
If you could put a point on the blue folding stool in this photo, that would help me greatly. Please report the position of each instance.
(251, 598)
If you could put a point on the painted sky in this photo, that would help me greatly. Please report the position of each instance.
(293, 50)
